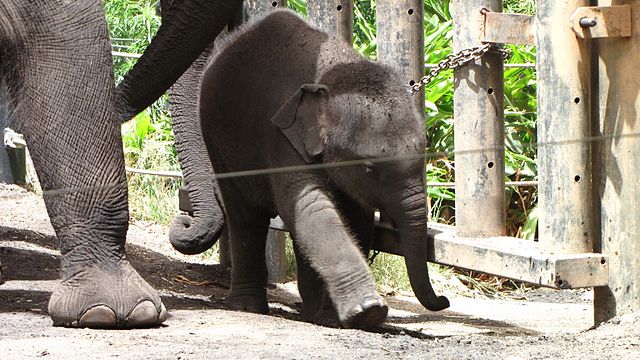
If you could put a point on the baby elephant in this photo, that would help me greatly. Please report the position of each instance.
(321, 137)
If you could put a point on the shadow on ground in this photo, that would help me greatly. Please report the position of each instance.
(29, 259)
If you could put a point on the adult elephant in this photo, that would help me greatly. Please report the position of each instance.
(55, 58)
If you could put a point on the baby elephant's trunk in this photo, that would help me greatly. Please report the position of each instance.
(411, 219)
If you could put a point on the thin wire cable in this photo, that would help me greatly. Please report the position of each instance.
(321, 166)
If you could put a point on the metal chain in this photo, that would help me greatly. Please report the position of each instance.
(459, 59)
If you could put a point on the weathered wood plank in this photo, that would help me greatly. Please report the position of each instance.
(605, 21)
(257, 7)
(332, 16)
(617, 165)
(504, 28)
(508, 257)
(479, 128)
(400, 39)
(564, 158)
(275, 257)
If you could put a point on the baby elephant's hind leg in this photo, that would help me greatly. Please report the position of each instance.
(248, 267)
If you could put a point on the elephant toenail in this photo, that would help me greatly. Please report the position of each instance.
(144, 314)
(98, 317)
(371, 303)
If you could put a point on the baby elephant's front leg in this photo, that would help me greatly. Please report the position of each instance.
(323, 239)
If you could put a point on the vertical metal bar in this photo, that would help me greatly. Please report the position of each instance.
(478, 128)
(564, 157)
(618, 165)
(400, 39)
(332, 16)
(274, 250)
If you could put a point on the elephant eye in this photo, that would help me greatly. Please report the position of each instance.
(369, 169)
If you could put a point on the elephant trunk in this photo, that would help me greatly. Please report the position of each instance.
(198, 232)
(411, 220)
(193, 234)
(189, 26)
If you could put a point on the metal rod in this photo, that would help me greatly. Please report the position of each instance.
(170, 174)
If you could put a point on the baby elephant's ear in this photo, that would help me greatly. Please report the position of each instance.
(303, 120)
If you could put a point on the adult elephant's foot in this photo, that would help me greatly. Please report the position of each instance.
(250, 301)
(369, 312)
(100, 297)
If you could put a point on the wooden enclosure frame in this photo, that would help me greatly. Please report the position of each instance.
(589, 229)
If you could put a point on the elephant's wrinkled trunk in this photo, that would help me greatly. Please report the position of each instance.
(193, 234)
(187, 28)
(411, 220)
(198, 232)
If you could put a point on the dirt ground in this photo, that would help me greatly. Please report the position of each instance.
(541, 324)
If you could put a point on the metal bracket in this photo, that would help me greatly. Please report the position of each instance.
(505, 28)
(592, 22)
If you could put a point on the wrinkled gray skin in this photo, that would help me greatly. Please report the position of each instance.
(198, 231)
(283, 94)
(55, 58)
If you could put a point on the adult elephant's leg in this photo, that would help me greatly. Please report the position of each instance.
(61, 83)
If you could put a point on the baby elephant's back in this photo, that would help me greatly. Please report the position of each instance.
(259, 67)
(252, 76)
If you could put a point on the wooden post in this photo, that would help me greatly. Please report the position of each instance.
(257, 7)
(332, 16)
(400, 40)
(400, 36)
(478, 128)
(275, 256)
(617, 165)
(564, 157)
(6, 175)
(274, 250)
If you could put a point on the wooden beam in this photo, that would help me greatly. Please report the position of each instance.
(564, 157)
(257, 7)
(400, 38)
(478, 128)
(616, 169)
(332, 16)
(504, 28)
(508, 257)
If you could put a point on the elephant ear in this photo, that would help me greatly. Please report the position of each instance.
(303, 120)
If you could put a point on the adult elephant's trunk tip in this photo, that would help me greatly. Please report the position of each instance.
(190, 239)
